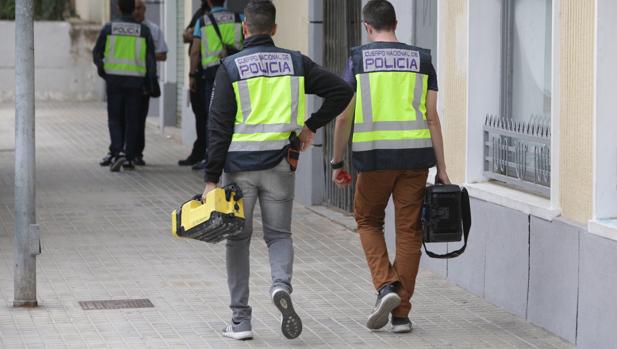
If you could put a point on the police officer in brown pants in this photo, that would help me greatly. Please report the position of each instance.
(396, 139)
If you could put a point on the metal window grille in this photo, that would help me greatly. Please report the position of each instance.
(519, 153)
(341, 32)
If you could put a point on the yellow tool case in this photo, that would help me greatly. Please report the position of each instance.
(220, 217)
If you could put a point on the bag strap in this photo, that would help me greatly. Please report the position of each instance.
(216, 27)
(466, 218)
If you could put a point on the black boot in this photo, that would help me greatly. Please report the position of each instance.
(190, 161)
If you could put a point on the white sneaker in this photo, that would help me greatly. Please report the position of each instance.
(401, 325)
(241, 331)
(291, 324)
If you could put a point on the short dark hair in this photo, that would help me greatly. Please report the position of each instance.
(380, 15)
(127, 7)
(218, 2)
(205, 7)
(260, 16)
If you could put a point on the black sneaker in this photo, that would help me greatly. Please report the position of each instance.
(190, 161)
(117, 163)
(199, 166)
(128, 165)
(387, 300)
(139, 161)
(291, 324)
(401, 324)
(106, 160)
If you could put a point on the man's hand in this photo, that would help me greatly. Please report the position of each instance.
(161, 56)
(193, 84)
(341, 177)
(209, 187)
(306, 138)
(187, 36)
(442, 177)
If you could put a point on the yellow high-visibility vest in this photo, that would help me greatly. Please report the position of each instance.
(270, 98)
(211, 45)
(125, 50)
(390, 126)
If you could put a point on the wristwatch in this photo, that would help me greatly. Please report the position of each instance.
(337, 165)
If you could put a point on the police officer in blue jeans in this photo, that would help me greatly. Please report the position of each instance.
(249, 137)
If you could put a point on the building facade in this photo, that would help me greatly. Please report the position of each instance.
(528, 111)
(529, 128)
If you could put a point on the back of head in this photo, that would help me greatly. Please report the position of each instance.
(380, 15)
(205, 6)
(126, 6)
(260, 16)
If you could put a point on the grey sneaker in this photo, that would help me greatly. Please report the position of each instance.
(401, 324)
(387, 300)
(241, 331)
(291, 324)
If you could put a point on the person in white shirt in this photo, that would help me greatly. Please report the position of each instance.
(160, 50)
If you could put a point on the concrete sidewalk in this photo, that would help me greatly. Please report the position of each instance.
(107, 236)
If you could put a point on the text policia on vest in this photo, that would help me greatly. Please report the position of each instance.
(265, 64)
(391, 59)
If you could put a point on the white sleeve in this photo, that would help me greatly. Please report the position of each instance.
(160, 46)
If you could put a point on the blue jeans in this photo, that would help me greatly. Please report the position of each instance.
(274, 188)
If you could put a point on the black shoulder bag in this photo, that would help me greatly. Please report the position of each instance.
(446, 215)
(228, 50)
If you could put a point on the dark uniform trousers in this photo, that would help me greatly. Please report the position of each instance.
(200, 103)
(141, 134)
(124, 107)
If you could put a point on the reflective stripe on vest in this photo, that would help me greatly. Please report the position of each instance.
(269, 110)
(390, 111)
(125, 55)
(211, 45)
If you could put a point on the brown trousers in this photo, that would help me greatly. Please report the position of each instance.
(373, 191)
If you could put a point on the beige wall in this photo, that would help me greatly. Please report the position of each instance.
(293, 29)
(576, 116)
(453, 84)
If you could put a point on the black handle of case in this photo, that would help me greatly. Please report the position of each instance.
(234, 189)
(466, 218)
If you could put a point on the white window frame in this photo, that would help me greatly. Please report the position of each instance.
(484, 83)
(604, 221)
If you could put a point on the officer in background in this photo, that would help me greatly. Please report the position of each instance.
(396, 139)
(209, 46)
(160, 52)
(197, 96)
(258, 107)
(124, 57)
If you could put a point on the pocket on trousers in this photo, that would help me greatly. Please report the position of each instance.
(283, 167)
